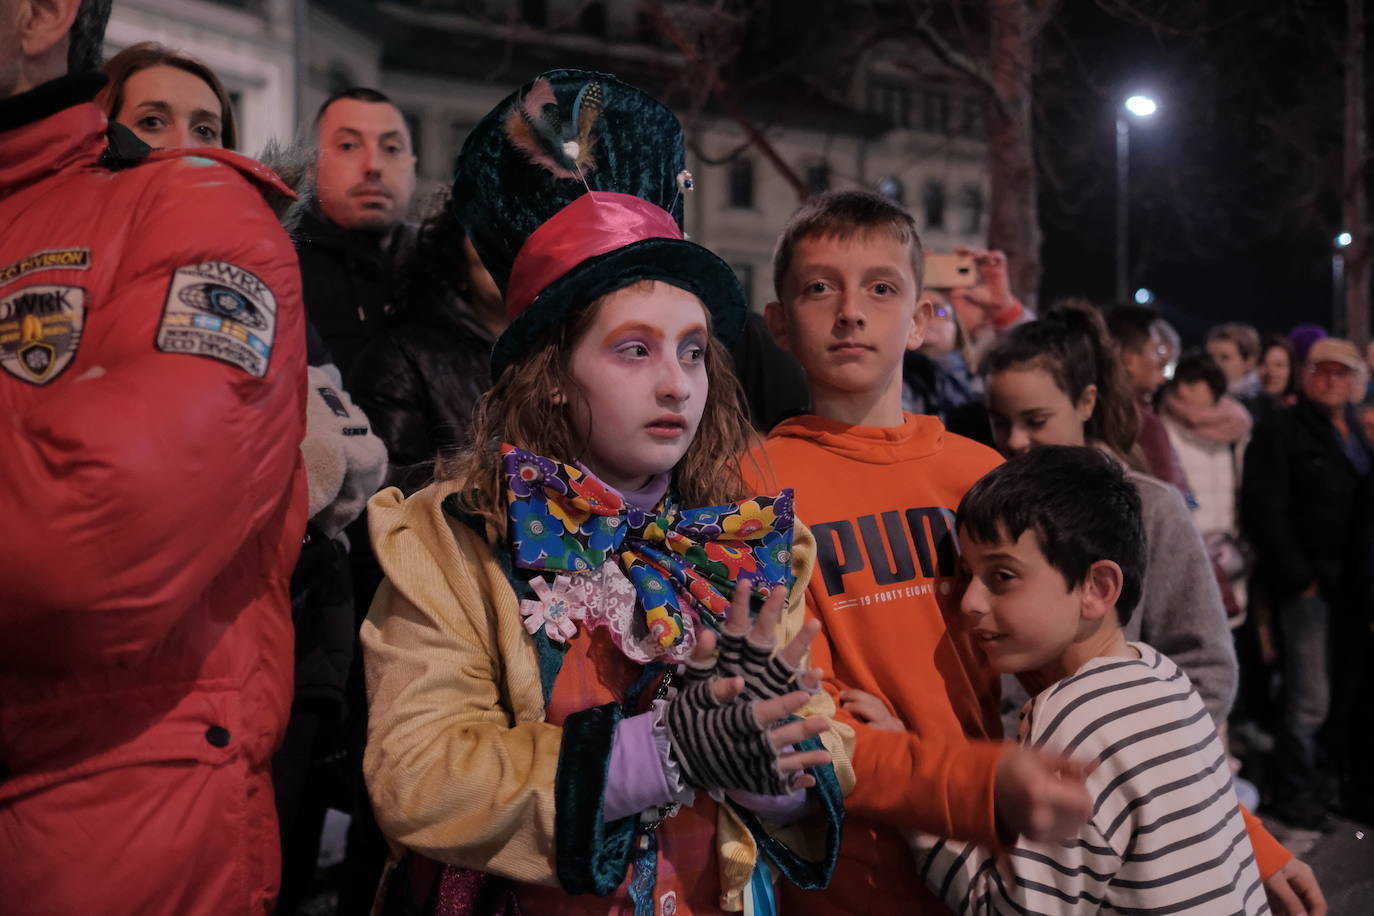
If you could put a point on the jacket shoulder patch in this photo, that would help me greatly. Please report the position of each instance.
(218, 309)
(40, 328)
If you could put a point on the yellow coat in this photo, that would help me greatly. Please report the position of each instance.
(460, 763)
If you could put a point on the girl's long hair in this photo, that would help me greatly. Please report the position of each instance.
(520, 409)
(1071, 344)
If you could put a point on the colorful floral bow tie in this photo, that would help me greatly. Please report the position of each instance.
(562, 518)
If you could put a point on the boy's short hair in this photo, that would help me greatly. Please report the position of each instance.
(1244, 336)
(1079, 503)
(845, 214)
(1198, 366)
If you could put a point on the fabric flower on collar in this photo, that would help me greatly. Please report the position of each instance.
(554, 612)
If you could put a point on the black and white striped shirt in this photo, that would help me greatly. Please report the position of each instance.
(1166, 835)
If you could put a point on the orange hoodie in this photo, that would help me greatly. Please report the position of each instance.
(881, 503)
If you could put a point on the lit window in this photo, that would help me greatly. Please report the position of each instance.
(935, 112)
(971, 197)
(933, 201)
(745, 274)
(818, 177)
(891, 101)
(741, 183)
(973, 124)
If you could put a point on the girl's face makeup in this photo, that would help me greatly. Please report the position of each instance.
(642, 369)
(1028, 408)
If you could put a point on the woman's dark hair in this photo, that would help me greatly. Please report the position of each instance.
(147, 54)
(1081, 506)
(1072, 345)
(1131, 326)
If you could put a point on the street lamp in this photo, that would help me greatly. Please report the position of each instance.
(1137, 106)
(1338, 282)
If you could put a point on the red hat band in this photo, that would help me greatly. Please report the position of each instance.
(595, 223)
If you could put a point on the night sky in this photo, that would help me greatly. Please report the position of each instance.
(1233, 182)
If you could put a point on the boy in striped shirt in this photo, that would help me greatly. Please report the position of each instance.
(1053, 551)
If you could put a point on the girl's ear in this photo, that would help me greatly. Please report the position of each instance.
(557, 397)
(1087, 403)
(1101, 589)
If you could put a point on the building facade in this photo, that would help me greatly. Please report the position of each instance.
(896, 122)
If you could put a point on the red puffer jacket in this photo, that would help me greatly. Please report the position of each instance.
(152, 503)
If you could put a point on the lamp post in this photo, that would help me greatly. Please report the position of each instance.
(1137, 106)
(1338, 283)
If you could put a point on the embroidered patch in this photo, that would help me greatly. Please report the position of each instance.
(56, 259)
(40, 328)
(222, 311)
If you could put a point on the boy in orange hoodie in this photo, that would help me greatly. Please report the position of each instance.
(879, 488)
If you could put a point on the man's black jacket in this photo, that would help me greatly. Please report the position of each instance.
(346, 281)
(1304, 507)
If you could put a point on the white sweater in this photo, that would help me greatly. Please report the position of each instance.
(1213, 474)
(1166, 835)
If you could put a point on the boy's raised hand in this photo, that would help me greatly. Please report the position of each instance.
(1040, 795)
(1293, 891)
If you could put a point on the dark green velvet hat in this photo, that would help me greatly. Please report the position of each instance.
(572, 188)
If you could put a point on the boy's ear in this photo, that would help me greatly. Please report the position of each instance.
(1101, 589)
(776, 319)
(1087, 403)
(920, 321)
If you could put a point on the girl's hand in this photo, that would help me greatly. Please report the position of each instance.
(723, 740)
(870, 710)
(747, 650)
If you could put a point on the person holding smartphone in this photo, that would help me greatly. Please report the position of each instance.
(977, 285)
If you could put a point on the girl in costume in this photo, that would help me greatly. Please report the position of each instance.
(552, 729)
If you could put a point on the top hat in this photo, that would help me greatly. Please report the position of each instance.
(572, 188)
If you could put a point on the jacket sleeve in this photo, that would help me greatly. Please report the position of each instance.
(453, 772)
(906, 781)
(392, 392)
(129, 488)
(1265, 500)
(1181, 612)
(1031, 879)
(805, 851)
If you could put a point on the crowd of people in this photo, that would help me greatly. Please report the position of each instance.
(512, 533)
